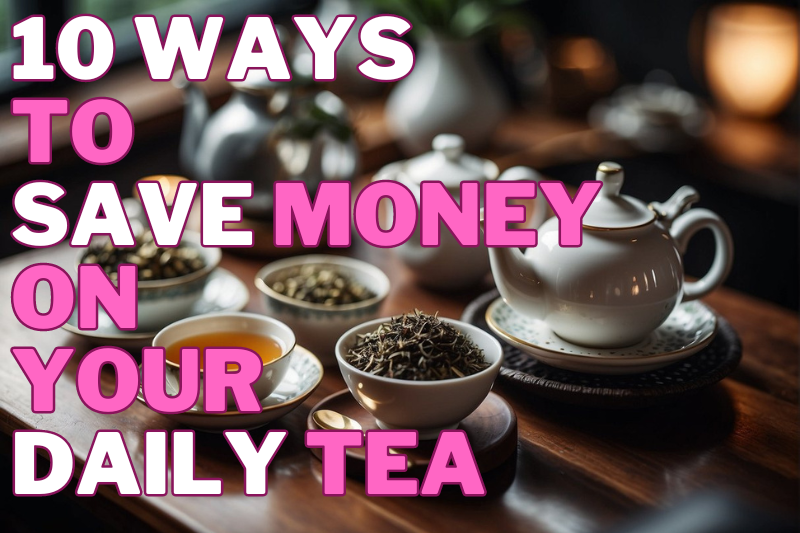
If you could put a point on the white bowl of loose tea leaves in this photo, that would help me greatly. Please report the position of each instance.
(322, 296)
(419, 371)
(170, 280)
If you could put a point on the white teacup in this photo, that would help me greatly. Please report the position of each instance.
(272, 372)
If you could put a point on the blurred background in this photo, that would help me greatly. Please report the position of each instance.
(686, 92)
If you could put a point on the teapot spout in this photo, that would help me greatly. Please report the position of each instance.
(195, 117)
(516, 279)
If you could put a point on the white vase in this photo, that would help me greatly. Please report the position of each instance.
(349, 55)
(452, 89)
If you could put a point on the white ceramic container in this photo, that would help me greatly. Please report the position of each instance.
(450, 265)
(626, 277)
(349, 55)
(427, 406)
(451, 89)
(273, 371)
(318, 326)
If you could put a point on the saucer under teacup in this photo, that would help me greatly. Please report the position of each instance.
(223, 292)
(302, 378)
(688, 329)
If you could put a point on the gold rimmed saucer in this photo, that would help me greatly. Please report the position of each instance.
(689, 329)
(302, 378)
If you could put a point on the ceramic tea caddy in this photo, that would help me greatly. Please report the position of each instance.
(268, 131)
(227, 144)
(450, 266)
(626, 277)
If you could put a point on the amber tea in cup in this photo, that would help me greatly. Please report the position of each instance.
(268, 348)
(271, 339)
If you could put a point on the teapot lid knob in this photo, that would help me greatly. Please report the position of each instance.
(612, 210)
(449, 144)
(612, 176)
(449, 163)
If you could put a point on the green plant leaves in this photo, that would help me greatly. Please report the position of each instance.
(458, 19)
(471, 19)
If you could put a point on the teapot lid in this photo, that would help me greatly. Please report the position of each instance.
(448, 163)
(612, 210)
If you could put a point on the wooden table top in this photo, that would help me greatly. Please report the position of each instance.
(577, 469)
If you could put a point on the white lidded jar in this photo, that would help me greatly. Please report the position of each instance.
(452, 88)
(450, 266)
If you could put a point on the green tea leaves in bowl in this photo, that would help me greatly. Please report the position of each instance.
(417, 347)
(321, 284)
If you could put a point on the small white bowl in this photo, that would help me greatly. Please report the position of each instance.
(163, 301)
(427, 406)
(318, 326)
(273, 371)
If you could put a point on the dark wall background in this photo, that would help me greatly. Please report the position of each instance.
(642, 34)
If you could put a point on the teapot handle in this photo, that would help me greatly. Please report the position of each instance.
(538, 203)
(684, 228)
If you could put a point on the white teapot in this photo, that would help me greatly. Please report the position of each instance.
(451, 266)
(626, 277)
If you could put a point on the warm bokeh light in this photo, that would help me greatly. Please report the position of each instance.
(753, 144)
(751, 57)
(587, 56)
(581, 71)
(581, 52)
(169, 186)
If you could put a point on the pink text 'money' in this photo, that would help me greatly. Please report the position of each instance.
(435, 208)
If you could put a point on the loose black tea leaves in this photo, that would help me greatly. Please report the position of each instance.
(417, 347)
(154, 263)
(321, 284)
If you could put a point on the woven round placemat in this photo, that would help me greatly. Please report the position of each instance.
(660, 386)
